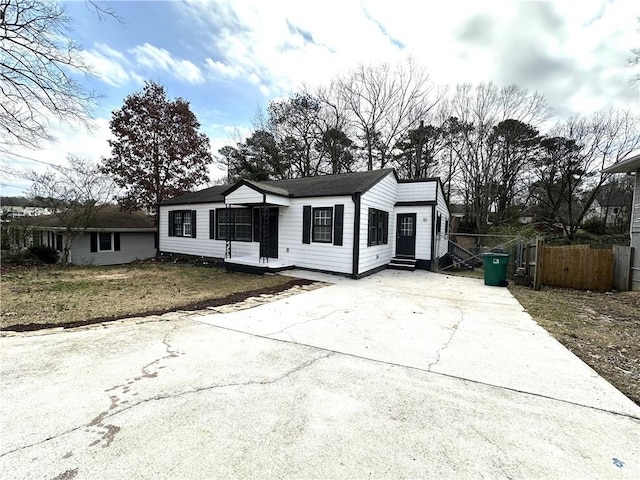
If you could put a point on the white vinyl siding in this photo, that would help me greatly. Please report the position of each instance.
(442, 239)
(423, 230)
(635, 234)
(382, 196)
(133, 246)
(202, 245)
(635, 214)
(244, 195)
(315, 255)
(417, 191)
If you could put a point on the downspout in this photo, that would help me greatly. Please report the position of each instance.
(433, 233)
(356, 235)
(264, 231)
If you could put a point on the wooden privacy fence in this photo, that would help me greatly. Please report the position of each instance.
(579, 266)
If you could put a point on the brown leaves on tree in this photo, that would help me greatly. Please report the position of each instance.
(158, 152)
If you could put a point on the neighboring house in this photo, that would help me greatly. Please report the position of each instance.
(14, 211)
(613, 206)
(352, 223)
(114, 237)
(632, 166)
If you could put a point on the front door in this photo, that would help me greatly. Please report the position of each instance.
(406, 235)
(268, 246)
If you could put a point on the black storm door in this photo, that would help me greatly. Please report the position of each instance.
(406, 235)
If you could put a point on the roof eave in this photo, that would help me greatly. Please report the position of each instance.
(625, 166)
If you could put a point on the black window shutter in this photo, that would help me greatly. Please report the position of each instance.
(338, 222)
(306, 224)
(212, 224)
(171, 220)
(370, 227)
(116, 241)
(94, 242)
(385, 228)
(256, 224)
(193, 224)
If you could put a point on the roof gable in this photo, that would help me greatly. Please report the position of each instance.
(260, 187)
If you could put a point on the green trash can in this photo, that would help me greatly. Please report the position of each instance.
(495, 269)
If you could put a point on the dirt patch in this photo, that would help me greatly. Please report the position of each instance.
(200, 305)
(601, 328)
(112, 276)
(74, 296)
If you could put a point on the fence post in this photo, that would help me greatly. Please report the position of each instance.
(537, 272)
(622, 257)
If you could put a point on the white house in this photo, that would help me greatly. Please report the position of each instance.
(631, 166)
(353, 223)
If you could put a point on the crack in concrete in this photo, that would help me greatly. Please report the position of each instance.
(315, 319)
(225, 385)
(40, 442)
(448, 342)
(109, 433)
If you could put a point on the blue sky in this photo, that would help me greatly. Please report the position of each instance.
(230, 58)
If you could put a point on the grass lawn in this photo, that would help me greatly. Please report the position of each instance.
(59, 296)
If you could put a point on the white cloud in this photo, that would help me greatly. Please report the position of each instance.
(220, 69)
(91, 144)
(156, 58)
(545, 46)
(110, 66)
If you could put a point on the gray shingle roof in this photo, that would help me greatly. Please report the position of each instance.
(208, 195)
(109, 217)
(319, 186)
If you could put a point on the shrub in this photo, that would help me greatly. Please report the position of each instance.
(595, 226)
(20, 257)
(44, 254)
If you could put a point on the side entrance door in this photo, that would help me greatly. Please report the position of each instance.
(406, 235)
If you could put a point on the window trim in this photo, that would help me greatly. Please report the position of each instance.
(94, 242)
(177, 223)
(100, 249)
(377, 232)
(315, 225)
(232, 224)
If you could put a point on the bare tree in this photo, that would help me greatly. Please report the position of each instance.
(384, 102)
(295, 125)
(335, 146)
(38, 65)
(75, 195)
(570, 179)
(477, 110)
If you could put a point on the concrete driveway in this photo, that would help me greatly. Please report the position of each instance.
(393, 376)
